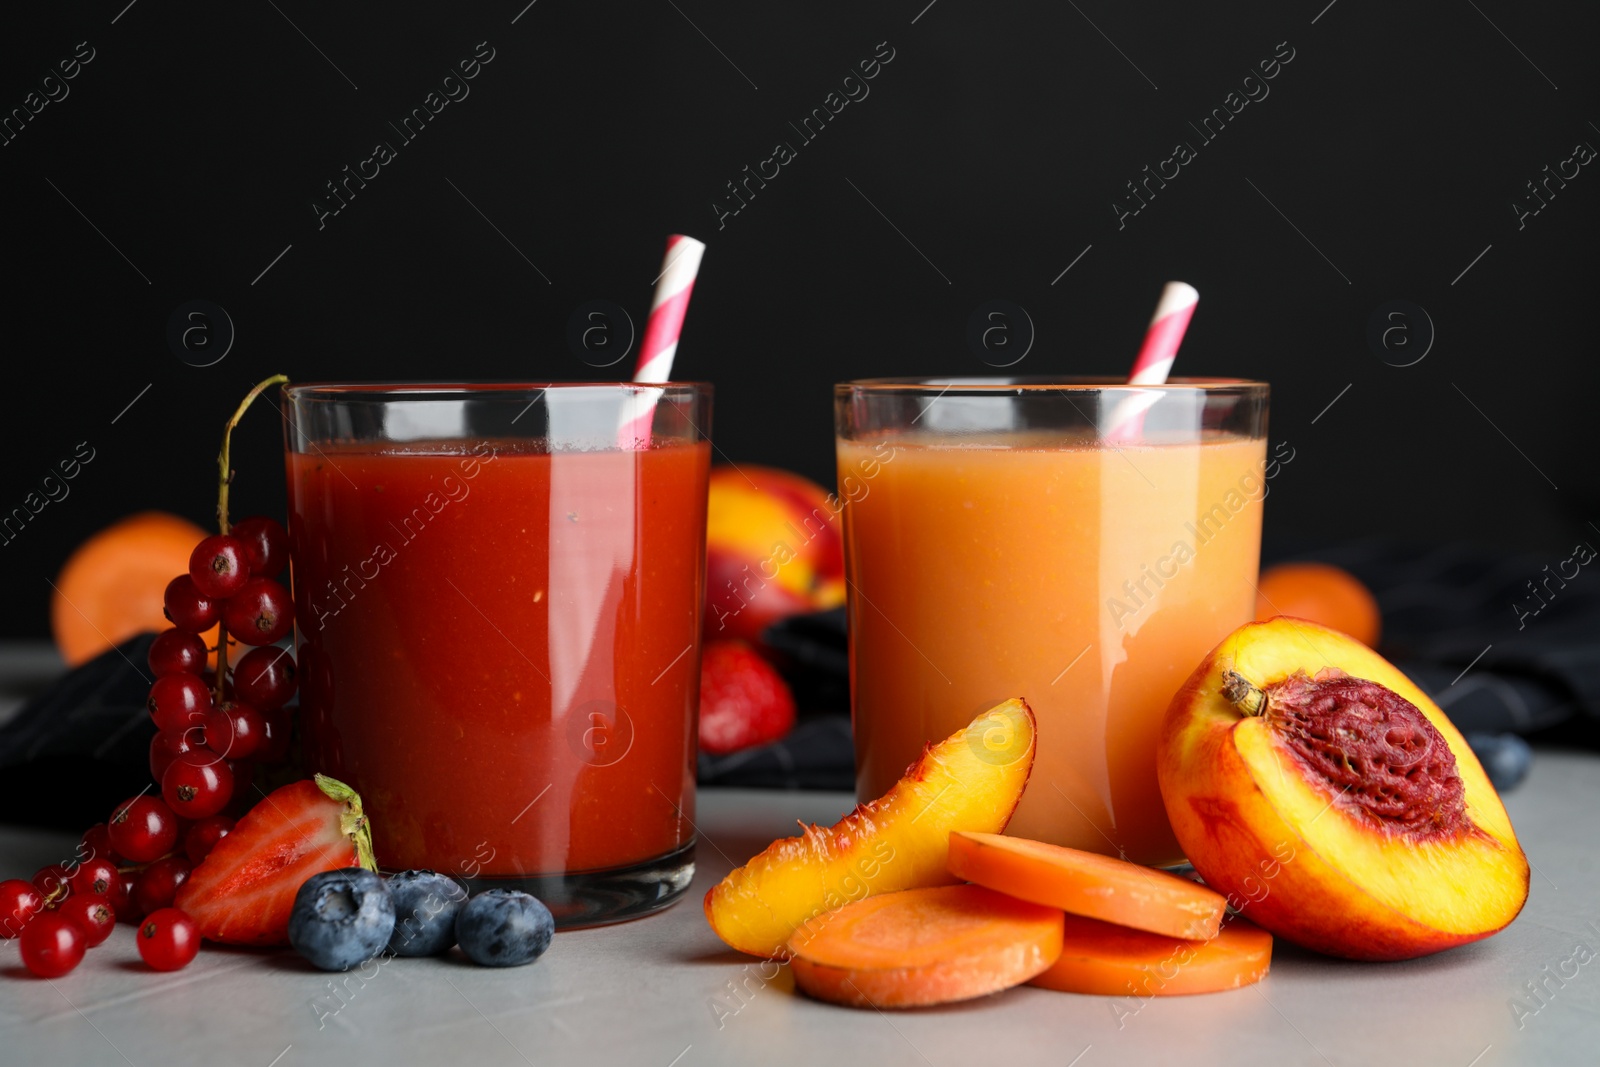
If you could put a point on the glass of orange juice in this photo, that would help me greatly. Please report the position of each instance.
(1081, 544)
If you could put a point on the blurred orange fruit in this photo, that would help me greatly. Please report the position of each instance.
(111, 587)
(1323, 594)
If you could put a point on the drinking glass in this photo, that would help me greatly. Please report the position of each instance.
(498, 606)
(1081, 544)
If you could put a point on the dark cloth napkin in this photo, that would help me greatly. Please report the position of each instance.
(1504, 644)
(81, 744)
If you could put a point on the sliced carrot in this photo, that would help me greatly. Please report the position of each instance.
(111, 587)
(1098, 957)
(1084, 883)
(924, 946)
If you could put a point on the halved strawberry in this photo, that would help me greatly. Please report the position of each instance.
(242, 893)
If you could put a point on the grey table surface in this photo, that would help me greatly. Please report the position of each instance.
(664, 992)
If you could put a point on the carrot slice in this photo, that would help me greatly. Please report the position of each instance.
(924, 946)
(1084, 883)
(111, 587)
(1098, 957)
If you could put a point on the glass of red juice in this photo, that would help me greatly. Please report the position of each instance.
(498, 594)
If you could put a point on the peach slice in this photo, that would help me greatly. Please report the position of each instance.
(1332, 801)
(971, 780)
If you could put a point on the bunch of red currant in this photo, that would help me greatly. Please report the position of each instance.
(214, 725)
(208, 734)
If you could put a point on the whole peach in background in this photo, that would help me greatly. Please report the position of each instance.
(773, 549)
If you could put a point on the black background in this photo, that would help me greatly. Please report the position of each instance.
(984, 162)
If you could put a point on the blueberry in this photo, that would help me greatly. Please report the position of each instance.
(504, 928)
(1506, 758)
(425, 906)
(341, 918)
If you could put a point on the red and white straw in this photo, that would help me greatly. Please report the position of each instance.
(661, 332)
(1154, 362)
(673, 287)
(1165, 334)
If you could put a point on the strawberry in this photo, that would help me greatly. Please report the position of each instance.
(743, 700)
(242, 893)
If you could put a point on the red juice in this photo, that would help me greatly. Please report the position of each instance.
(496, 647)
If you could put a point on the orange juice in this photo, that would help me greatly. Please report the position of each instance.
(1088, 580)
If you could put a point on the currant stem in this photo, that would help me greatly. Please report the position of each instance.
(224, 468)
(224, 480)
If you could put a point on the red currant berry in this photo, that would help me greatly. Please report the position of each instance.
(94, 878)
(121, 901)
(266, 542)
(187, 608)
(52, 945)
(198, 784)
(219, 565)
(274, 737)
(168, 940)
(202, 837)
(260, 613)
(92, 915)
(176, 651)
(143, 829)
(167, 746)
(19, 902)
(178, 701)
(96, 844)
(235, 731)
(53, 883)
(264, 678)
(158, 883)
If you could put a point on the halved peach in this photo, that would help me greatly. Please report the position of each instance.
(1332, 801)
(971, 780)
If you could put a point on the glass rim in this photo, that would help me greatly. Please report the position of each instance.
(461, 389)
(1014, 386)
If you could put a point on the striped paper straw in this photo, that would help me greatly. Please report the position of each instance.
(1154, 362)
(661, 332)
